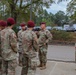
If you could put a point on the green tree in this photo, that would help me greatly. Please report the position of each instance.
(19, 9)
(45, 17)
(52, 20)
(71, 9)
(60, 18)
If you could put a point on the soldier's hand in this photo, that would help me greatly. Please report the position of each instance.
(45, 43)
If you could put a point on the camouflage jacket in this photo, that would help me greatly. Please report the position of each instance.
(20, 41)
(0, 42)
(8, 44)
(29, 43)
(44, 37)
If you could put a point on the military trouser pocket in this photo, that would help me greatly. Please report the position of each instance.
(33, 64)
(13, 63)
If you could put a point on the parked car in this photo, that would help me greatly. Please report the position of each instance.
(37, 28)
(49, 28)
(70, 29)
(58, 28)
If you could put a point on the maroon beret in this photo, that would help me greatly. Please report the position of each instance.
(22, 24)
(11, 21)
(0, 21)
(42, 23)
(30, 24)
(3, 23)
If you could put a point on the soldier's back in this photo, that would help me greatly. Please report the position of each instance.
(27, 42)
(7, 50)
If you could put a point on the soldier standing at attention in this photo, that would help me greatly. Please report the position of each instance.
(23, 28)
(44, 37)
(2, 26)
(30, 47)
(9, 48)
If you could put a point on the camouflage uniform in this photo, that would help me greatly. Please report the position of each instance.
(9, 51)
(0, 55)
(30, 46)
(75, 52)
(20, 46)
(44, 37)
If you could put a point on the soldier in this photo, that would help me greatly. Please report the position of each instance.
(23, 28)
(44, 37)
(30, 46)
(2, 26)
(9, 48)
(0, 51)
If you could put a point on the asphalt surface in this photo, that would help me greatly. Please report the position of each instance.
(60, 61)
(62, 53)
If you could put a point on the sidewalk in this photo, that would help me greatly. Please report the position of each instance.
(55, 68)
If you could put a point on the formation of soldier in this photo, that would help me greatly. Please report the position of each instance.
(27, 44)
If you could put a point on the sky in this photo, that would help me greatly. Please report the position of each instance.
(54, 8)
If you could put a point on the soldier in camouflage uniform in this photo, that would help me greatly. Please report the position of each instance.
(44, 37)
(9, 48)
(0, 50)
(2, 26)
(30, 46)
(23, 28)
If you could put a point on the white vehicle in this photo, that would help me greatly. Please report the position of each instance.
(58, 27)
(49, 27)
(74, 25)
(66, 27)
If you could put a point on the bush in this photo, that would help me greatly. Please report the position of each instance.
(63, 35)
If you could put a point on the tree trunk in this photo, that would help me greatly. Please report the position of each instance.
(13, 10)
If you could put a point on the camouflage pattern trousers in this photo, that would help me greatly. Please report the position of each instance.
(20, 58)
(8, 67)
(0, 65)
(43, 55)
(28, 65)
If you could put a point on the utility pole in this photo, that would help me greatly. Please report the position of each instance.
(31, 10)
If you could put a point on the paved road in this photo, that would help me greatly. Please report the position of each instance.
(64, 53)
(54, 68)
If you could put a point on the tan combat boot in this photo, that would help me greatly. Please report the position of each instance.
(40, 65)
(43, 67)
